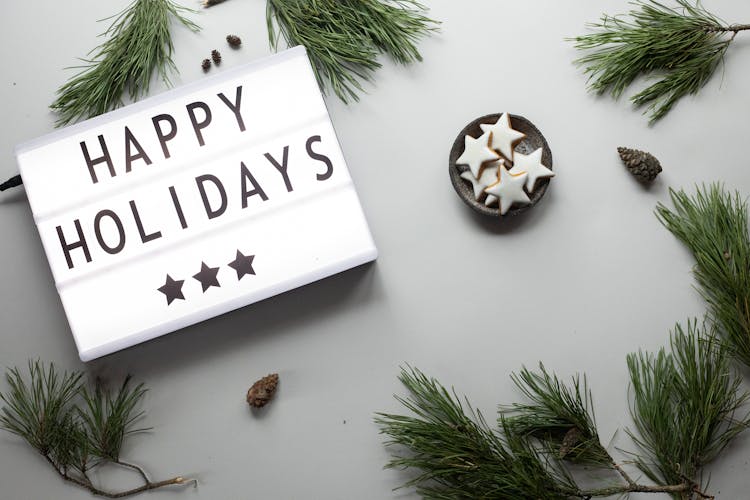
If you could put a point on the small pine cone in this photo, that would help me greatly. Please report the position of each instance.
(262, 391)
(234, 41)
(641, 164)
(216, 56)
(206, 64)
(570, 441)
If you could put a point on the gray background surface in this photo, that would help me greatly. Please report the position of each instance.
(586, 277)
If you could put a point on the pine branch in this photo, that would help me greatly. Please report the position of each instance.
(560, 416)
(343, 38)
(74, 428)
(41, 411)
(459, 456)
(139, 45)
(683, 46)
(714, 226)
(686, 405)
(109, 418)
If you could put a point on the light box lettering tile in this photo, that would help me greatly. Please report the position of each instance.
(193, 203)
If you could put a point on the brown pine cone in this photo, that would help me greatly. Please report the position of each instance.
(262, 391)
(641, 164)
(570, 441)
(234, 41)
(206, 64)
(216, 56)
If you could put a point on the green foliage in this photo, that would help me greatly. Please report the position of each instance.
(343, 38)
(74, 427)
(458, 454)
(686, 404)
(109, 418)
(42, 410)
(685, 410)
(559, 415)
(714, 226)
(139, 45)
(682, 46)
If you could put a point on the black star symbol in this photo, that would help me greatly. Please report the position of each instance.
(207, 277)
(172, 289)
(243, 265)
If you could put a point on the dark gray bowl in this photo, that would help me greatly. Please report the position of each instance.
(533, 140)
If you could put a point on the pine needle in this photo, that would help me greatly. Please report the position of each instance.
(110, 418)
(139, 45)
(714, 226)
(682, 46)
(686, 409)
(686, 404)
(459, 456)
(74, 428)
(40, 410)
(560, 415)
(343, 38)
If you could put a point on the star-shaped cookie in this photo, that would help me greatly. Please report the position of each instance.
(476, 152)
(508, 189)
(504, 137)
(532, 165)
(486, 178)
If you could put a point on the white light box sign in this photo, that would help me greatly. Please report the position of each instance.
(193, 203)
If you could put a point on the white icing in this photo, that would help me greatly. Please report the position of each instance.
(476, 152)
(490, 200)
(504, 137)
(532, 165)
(486, 178)
(509, 189)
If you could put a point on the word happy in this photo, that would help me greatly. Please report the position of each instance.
(165, 130)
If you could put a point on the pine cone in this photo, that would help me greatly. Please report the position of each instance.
(234, 41)
(262, 391)
(641, 164)
(570, 441)
(216, 56)
(206, 64)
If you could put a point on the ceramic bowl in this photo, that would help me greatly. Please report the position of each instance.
(533, 140)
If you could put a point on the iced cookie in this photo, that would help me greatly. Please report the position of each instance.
(504, 136)
(476, 153)
(532, 165)
(509, 189)
(486, 178)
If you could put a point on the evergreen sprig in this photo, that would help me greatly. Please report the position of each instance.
(457, 452)
(561, 416)
(41, 410)
(714, 225)
(682, 46)
(76, 429)
(343, 38)
(687, 405)
(138, 46)
(686, 410)
(109, 417)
